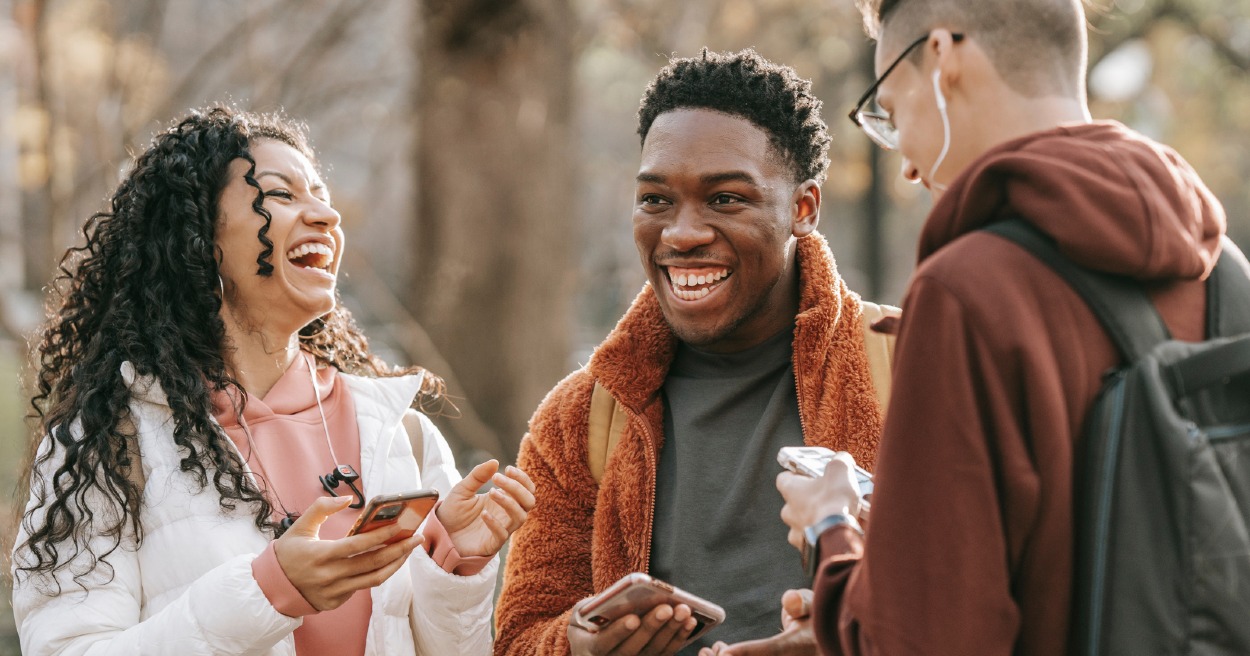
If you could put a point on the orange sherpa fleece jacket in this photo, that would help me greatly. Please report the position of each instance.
(582, 537)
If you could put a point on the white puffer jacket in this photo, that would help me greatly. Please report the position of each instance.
(189, 588)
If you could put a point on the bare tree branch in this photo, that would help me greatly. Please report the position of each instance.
(315, 48)
(416, 344)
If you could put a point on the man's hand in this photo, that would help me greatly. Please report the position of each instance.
(328, 572)
(796, 635)
(809, 500)
(479, 524)
(661, 632)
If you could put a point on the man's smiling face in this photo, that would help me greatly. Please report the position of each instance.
(716, 215)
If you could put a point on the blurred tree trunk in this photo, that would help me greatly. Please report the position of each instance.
(496, 220)
(12, 262)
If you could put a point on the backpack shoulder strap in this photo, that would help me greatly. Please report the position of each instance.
(416, 436)
(1228, 294)
(879, 347)
(1122, 307)
(607, 420)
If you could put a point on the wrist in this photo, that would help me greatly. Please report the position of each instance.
(811, 537)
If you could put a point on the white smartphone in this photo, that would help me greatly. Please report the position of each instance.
(639, 593)
(811, 461)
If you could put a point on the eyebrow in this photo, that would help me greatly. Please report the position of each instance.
(318, 186)
(709, 179)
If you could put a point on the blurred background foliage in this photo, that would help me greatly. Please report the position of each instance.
(482, 153)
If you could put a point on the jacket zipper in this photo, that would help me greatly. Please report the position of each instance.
(798, 387)
(650, 454)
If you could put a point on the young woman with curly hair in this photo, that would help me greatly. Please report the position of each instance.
(195, 383)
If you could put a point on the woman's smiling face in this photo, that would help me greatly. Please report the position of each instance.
(305, 231)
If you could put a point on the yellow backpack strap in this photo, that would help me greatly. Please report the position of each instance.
(416, 437)
(880, 350)
(607, 420)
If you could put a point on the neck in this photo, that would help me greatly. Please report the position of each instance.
(257, 356)
(1019, 116)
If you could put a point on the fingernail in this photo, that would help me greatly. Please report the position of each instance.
(511, 469)
(631, 622)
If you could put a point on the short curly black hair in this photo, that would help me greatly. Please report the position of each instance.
(744, 84)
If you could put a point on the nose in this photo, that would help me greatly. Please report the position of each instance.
(688, 230)
(319, 213)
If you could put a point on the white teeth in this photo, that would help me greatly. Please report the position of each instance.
(311, 247)
(679, 282)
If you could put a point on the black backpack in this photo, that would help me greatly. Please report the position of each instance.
(1162, 480)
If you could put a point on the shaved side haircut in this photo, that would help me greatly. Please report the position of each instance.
(1039, 47)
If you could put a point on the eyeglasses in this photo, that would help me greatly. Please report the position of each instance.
(878, 126)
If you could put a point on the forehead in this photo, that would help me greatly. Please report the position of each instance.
(273, 155)
(700, 141)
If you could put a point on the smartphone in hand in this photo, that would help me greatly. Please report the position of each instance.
(638, 593)
(811, 461)
(407, 509)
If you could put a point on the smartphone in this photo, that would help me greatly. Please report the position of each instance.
(407, 509)
(638, 593)
(811, 461)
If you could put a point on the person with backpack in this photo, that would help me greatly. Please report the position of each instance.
(745, 340)
(974, 543)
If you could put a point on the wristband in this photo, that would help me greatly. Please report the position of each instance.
(811, 539)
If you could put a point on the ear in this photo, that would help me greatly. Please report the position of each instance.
(806, 209)
(943, 51)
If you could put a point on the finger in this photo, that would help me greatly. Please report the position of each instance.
(363, 542)
(377, 575)
(497, 528)
(841, 464)
(309, 523)
(510, 506)
(673, 634)
(790, 515)
(476, 478)
(652, 622)
(521, 477)
(795, 538)
(515, 490)
(795, 604)
(610, 637)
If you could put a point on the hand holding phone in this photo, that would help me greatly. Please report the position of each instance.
(812, 460)
(638, 594)
(408, 510)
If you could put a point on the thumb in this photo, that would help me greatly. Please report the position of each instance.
(797, 604)
(309, 524)
(477, 478)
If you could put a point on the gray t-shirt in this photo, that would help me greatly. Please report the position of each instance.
(718, 531)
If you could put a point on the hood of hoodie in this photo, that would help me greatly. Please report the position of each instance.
(1113, 200)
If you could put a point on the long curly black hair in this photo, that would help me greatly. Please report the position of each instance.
(746, 85)
(144, 289)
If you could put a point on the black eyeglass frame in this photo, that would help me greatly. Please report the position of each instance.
(859, 111)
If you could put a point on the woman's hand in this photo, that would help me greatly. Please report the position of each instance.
(328, 572)
(809, 500)
(479, 524)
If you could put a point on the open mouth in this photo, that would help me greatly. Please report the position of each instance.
(695, 284)
(311, 255)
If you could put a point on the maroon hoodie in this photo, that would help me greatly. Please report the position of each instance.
(969, 548)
